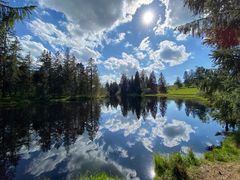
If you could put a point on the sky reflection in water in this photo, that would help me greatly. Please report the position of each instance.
(63, 141)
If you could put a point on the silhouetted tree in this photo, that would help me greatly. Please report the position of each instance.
(162, 84)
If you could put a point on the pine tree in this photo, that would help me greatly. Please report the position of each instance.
(82, 80)
(178, 82)
(25, 76)
(124, 85)
(186, 79)
(162, 84)
(93, 79)
(137, 84)
(152, 83)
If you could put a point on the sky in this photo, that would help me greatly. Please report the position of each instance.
(123, 36)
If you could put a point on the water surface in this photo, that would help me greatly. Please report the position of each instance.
(63, 141)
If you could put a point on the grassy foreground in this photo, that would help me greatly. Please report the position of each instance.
(183, 93)
(220, 163)
(99, 176)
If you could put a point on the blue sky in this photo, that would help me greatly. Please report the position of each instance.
(115, 34)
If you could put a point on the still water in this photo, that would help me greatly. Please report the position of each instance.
(63, 141)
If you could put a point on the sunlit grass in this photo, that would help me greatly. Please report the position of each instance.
(177, 166)
(229, 152)
(174, 166)
(183, 93)
(99, 176)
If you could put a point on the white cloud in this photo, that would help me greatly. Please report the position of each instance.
(174, 133)
(28, 45)
(182, 37)
(169, 52)
(120, 38)
(175, 15)
(127, 64)
(109, 78)
(145, 45)
(140, 55)
(77, 160)
(87, 22)
(127, 45)
(81, 47)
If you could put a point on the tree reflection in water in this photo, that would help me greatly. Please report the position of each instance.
(60, 125)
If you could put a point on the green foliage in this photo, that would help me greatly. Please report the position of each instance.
(218, 23)
(99, 176)
(229, 152)
(178, 83)
(174, 166)
(162, 84)
(55, 77)
(9, 15)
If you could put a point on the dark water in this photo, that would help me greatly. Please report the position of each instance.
(63, 141)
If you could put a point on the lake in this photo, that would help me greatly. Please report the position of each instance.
(66, 140)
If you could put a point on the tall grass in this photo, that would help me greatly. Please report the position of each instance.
(174, 166)
(229, 152)
(98, 176)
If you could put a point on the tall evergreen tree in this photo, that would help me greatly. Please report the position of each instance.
(124, 85)
(93, 79)
(178, 82)
(152, 84)
(137, 84)
(25, 76)
(162, 84)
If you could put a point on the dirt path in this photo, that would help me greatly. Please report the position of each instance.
(223, 171)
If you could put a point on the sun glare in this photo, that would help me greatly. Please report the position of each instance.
(148, 17)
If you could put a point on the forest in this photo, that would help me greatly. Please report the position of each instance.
(49, 76)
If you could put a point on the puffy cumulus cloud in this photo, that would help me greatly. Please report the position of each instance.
(80, 159)
(129, 125)
(140, 55)
(57, 38)
(28, 45)
(127, 64)
(154, 66)
(96, 15)
(174, 133)
(175, 15)
(169, 52)
(87, 22)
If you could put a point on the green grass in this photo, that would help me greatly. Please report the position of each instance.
(21, 101)
(229, 152)
(183, 93)
(174, 166)
(99, 176)
(177, 166)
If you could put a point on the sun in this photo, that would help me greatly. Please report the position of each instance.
(148, 17)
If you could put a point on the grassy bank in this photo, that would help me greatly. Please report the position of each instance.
(183, 93)
(98, 176)
(220, 163)
(19, 101)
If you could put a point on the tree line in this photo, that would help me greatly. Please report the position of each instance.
(138, 84)
(54, 75)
